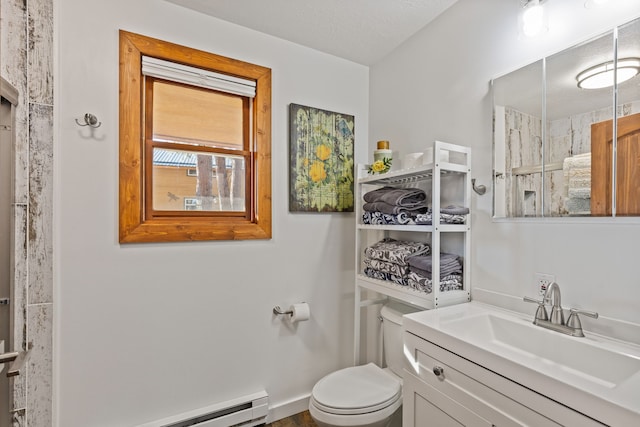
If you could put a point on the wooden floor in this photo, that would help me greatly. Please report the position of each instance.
(302, 419)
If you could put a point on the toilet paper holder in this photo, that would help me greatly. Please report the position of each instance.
(278, 311)
(297, 312)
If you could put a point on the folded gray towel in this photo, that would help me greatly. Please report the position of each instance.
(443, 271)
(454, 210)
(374, 195)
(405, 197)
(386, 267)
(423, 265)
(426, 262)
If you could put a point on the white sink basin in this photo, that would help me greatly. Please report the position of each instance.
(578, 356)
(596, 375)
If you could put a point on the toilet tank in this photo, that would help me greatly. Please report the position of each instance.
(392, 313)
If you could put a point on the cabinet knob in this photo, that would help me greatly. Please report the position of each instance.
(438, 371)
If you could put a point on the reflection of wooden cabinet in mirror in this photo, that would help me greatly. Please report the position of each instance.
(627, 167)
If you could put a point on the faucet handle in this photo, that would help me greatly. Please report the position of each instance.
(585, 312)
(574, 320)
(541, 312)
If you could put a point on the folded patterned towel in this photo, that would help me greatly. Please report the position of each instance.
(426, 219)
(381, 275)
(378, 218)
(387, 267)
(424, 284)
(405, 197)
(395, 251)
(386, 208)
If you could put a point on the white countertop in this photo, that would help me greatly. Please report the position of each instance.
(594, 375)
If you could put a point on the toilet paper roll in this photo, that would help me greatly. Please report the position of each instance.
(300, 311)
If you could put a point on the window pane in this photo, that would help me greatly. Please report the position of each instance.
(191, 180)
(190, 114)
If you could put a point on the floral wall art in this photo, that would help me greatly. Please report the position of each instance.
(321, 160)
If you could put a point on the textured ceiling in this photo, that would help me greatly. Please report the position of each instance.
(363, 31)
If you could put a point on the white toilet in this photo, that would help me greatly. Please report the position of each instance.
(367, 395)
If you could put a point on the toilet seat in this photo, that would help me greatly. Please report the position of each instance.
(356, 390)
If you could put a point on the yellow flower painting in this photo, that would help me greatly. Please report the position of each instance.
(321, 160)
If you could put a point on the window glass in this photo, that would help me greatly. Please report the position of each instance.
(197, 181)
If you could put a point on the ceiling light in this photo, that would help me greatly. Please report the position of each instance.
(533, 20)
(588, 4)
(601, 76)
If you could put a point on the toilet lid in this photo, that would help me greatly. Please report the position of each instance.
(356, 390)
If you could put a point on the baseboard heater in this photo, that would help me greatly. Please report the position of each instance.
(245, 411)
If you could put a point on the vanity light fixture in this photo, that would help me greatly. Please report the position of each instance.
(601, 75)
(532, 18)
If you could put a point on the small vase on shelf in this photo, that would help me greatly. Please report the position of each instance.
(382, 158)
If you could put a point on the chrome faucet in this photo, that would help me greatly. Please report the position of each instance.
(556, 322)
(552, 296)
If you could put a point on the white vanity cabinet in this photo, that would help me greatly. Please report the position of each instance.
(446, 181)
(444, 389)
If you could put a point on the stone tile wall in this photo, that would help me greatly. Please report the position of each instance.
(26, 62)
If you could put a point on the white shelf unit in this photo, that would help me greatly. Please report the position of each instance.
(455, 172)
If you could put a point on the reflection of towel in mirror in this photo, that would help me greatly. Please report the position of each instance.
(579, 183)
(576, 174)
(405, 197)
(578, 206)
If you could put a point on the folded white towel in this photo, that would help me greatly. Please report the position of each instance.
(578, 161)
(579, 193)
(578, 206)
(576, 171)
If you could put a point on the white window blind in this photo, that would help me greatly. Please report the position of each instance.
(173, 71)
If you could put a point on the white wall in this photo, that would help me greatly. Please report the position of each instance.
(436, 86)
(147, 331)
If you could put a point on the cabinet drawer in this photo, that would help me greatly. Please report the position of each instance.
(423, 405)
(491, 396)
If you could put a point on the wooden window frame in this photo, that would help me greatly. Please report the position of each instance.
(137, 226)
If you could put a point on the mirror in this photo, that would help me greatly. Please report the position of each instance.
(518, 142)
(540, 113)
